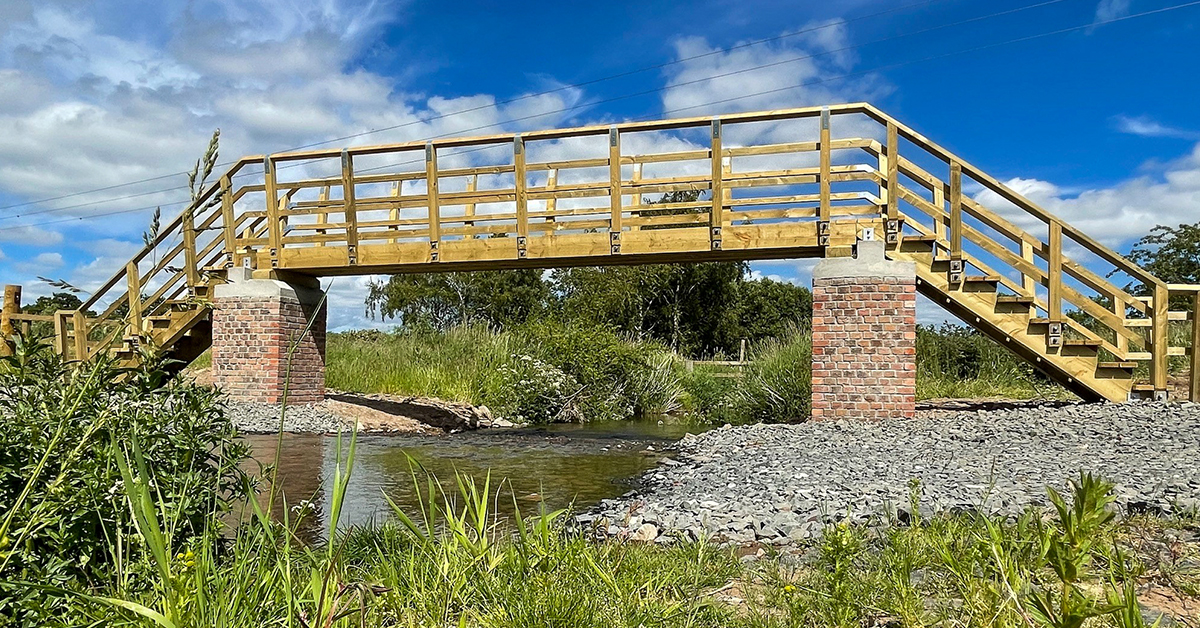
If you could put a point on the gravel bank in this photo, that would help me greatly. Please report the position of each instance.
(375, 413)
(780, 484)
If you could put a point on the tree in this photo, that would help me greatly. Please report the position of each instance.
(53, 303)
(1171, 254)
(443, 300)
(771, 309)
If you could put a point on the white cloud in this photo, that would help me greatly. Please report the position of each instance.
(23, 234)
(1111, 9)
(810, 62)
(1115, 215)
(1148, 127)
(40, 263)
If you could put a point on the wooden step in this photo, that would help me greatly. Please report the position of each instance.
(1127, 366)
(1082, 342)
(981, 279)
(1016, 299)
(922, 243)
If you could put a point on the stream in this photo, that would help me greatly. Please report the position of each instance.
(552, 466)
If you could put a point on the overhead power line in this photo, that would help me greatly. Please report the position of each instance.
(594, 103)
(561, 88)
(741, 97)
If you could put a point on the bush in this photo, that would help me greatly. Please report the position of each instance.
(605, 365)
(527, 390)
(63, 427)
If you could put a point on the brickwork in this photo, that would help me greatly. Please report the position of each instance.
(864, 348)
(251, 336)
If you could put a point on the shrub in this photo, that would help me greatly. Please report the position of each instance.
(66, 522)
(527, 390)
(604, 364)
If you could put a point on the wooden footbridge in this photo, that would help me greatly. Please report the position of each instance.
(776, 184)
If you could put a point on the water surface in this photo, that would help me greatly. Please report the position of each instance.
(555, 466)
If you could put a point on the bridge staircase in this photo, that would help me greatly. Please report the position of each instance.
(779, 184)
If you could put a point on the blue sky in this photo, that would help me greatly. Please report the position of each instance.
(1098, 124)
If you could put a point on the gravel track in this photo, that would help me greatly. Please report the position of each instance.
(780, 484)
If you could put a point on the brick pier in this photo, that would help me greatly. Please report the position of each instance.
(864, 336)
(255, 321)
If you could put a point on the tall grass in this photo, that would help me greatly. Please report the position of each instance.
(457, 365)
(958, 362)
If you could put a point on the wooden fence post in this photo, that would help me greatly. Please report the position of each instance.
(614, 188)
(81, 335)
(12, 305)
(1194, 378)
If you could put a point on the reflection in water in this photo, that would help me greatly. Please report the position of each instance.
(557, 465)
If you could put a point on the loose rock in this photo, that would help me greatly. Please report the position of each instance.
(781, 484)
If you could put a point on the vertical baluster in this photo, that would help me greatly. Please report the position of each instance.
(472, 185)
(394, 213)
(435, 212)
(228, 223)
(1118, 308)
(956, 249)
(134, 287)
(552, 202)
(1028, 283)
(348, 207)
(716, 215)
(323, 216)
(614, 188)
(191, 265)
(893, 172)
(1159, 340)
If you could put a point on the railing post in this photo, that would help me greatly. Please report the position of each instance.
(230, 225)
(12, 305)
(134, 297)
(893, 172)
(350, 211)
(274, 226)
(614, 189)
(1194, 378)
(522, 196)
(956, 250)
(1160, 342)
(431, 192)
(1054, 273)
(716, 214)
(81, 335)
(824, 229)
(190, 262)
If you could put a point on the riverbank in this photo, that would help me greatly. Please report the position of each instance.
(369, 413)
(782, 484)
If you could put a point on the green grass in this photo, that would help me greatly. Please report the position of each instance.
(457, 365)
